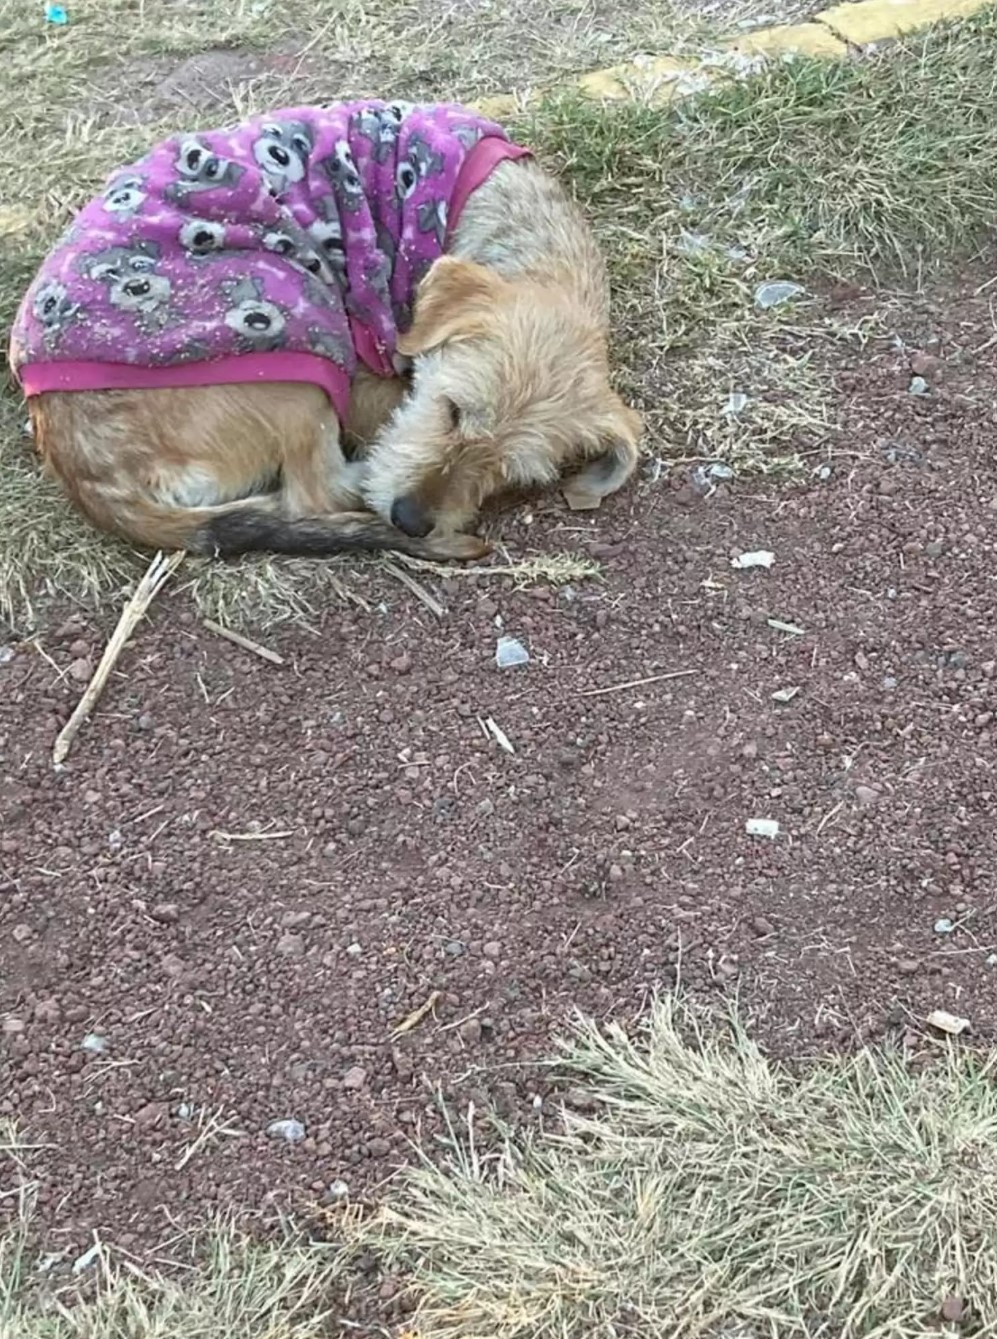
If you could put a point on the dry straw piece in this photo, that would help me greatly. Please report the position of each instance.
(157, 574)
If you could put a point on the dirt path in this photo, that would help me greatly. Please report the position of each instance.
(249, 875)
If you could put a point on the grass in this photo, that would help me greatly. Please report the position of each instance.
(223, 1283)
(883, 165)
(714, 1193)
(710, 1193)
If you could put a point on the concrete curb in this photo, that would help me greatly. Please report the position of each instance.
(830, 34)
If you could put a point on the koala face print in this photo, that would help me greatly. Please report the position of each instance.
(282, 151)
(259, 324)
(381, 127)
(295, 250)
(125, 196)
(432, 218)
(426, 161)
(201, 237)
(327, 236)
(406, 179)
(280, 243)
(200, 170)
(335, 347)
(467, 135)
(129, 275)
(54, 308)
(142, 294)
(367, 122)
(342, 172)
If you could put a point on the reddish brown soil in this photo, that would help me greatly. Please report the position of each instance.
(380, 848)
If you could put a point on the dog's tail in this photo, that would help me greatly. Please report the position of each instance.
(257, 524)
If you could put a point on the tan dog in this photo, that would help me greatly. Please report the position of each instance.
(509, 388)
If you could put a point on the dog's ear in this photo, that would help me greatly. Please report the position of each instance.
(618, 430)
(453, 303)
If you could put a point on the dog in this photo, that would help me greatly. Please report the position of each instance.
(239, 309)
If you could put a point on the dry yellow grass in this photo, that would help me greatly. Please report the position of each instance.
(714, 1194)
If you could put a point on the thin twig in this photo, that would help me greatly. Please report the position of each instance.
(246, 643)
(417, 590)
(158, 573)
(636, 683)
(221, 836)
(417, 1015)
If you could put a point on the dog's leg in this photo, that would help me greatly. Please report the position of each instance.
(608, 471)
(317, 479)
(373, 401)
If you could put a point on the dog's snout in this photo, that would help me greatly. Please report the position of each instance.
(409, 516)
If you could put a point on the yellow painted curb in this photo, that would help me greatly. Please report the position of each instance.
(880, 20)
(829, 35)
(795, 39)
(639, 81)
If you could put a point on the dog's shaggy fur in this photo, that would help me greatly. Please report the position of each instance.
(509, 387)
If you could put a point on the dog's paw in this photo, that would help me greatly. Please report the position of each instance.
(457, 548)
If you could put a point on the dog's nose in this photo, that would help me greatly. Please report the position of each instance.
(407, 515)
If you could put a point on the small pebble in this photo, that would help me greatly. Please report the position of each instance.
(509, 652)
(354, 950)
(355, 1078)
(290, 1130)
(866, 796)
(470, 1031)
(953, 1308)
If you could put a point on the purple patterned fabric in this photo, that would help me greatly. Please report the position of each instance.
(284, 248)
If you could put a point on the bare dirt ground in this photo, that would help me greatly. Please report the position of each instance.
(249, 875)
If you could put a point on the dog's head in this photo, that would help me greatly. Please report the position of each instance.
(510, 390)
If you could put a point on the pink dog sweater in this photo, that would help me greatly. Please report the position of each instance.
(286, 248)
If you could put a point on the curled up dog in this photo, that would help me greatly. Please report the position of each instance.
(239, 306)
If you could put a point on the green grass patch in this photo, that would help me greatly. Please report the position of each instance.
(883, 163)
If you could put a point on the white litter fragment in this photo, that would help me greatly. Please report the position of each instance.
(944, 926)
(510, 652)
(776, 292)
(946, 1022)
(290, 1130)
(736, 404)
(785, 694)
(762, 827)
(756, 558)
(499, 735)
(88, 1258)
(780, 626)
